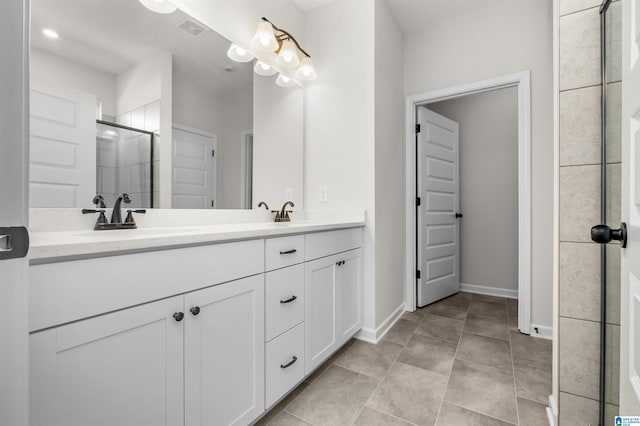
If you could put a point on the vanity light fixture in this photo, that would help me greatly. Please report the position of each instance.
(290, 60)
(262, 68)
(50, 33)
(239, 54)
(284, 81)
(159, 6)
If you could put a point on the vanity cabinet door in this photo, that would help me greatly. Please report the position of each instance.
(224, 353)
(349, 291)
(123, 368)
(321, 338)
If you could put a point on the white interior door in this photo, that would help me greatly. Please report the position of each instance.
(14, 123)
(194, 170)
(63, 148)
(630, 282)
(438, 188)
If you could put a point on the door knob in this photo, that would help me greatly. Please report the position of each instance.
(602, 234)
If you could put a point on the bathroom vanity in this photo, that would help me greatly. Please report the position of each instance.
(198, 325)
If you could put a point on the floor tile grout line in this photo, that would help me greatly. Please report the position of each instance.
(515, 383)
(297, 417)
(454, 359)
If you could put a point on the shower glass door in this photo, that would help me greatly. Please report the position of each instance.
(611, 206)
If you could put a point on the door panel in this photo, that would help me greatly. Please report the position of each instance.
(320, 316)
(14, 196)
(438, 188)
(349, 300)
(224, 353)
(123, 368)
(194, 170)
(630, 260)
(63, 148)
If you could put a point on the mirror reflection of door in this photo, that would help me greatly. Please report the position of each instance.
(194, 169)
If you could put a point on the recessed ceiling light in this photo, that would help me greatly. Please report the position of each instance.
(50, 33)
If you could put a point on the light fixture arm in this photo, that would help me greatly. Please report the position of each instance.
(286, 36)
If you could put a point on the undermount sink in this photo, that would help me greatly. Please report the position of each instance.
(139, 232)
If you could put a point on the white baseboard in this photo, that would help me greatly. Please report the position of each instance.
(489, 291)
(373, 336)
(552, 411)
(542, 331)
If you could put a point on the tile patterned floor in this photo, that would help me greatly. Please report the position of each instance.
(460, 361)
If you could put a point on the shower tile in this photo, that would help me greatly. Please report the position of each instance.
(152, 116)
(579, 202)
(124, 119)
(576, 410)
(614, 122)
(613, 284)
(614, 42)
(614, 193)
(610, 411)
(137, 118)
(579, 357)
(580, 277)
(571, 6)
(580, 49)
(580, 127)
(612, 379)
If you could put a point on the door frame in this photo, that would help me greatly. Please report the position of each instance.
(521, 80)
(246, 186)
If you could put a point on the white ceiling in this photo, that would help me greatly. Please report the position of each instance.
(415, 15)
(113, 35)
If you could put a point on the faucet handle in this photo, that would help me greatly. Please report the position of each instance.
(101, 219)
(129, 218)
(98, 200)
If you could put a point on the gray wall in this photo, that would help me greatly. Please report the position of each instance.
(488, 186)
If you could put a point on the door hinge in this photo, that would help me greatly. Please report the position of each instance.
(417, 128)
(418, 274)
(213, 152)
(418, 201)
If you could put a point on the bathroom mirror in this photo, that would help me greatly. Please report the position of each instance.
(183, 112)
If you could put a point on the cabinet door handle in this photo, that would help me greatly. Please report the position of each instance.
(288, 251)
(290, 363)
(178, 316)
(289, 300)
(195, 310)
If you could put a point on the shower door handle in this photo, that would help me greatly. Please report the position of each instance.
(602, 234)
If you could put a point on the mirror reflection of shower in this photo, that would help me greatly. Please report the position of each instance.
(124, 164)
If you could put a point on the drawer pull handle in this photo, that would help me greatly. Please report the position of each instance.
(290, 363)
(195, 310)
(178, 316)
(288, 251)
(289, 300)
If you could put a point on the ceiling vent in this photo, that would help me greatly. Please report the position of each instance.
(193, 28)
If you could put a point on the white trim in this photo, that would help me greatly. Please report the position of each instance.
(542, 331)
(555, 371)
(522, 81)
(243, 168)
(194, 130)
(373, 336)
(552, 411)
(489, 291)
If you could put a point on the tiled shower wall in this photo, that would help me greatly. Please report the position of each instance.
(580, 172)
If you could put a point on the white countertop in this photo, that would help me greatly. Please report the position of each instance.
(47, 247)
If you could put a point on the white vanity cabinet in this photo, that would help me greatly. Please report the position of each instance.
(122, 368)
(224, 353)
(333, 286)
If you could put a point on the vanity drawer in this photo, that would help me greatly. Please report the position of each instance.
(281, 312)
(321, 244)
(282, 373)
(285, 251)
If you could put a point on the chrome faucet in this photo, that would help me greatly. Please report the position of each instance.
(283, 215)
(116, 214)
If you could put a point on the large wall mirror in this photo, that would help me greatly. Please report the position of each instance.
(127, 100)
